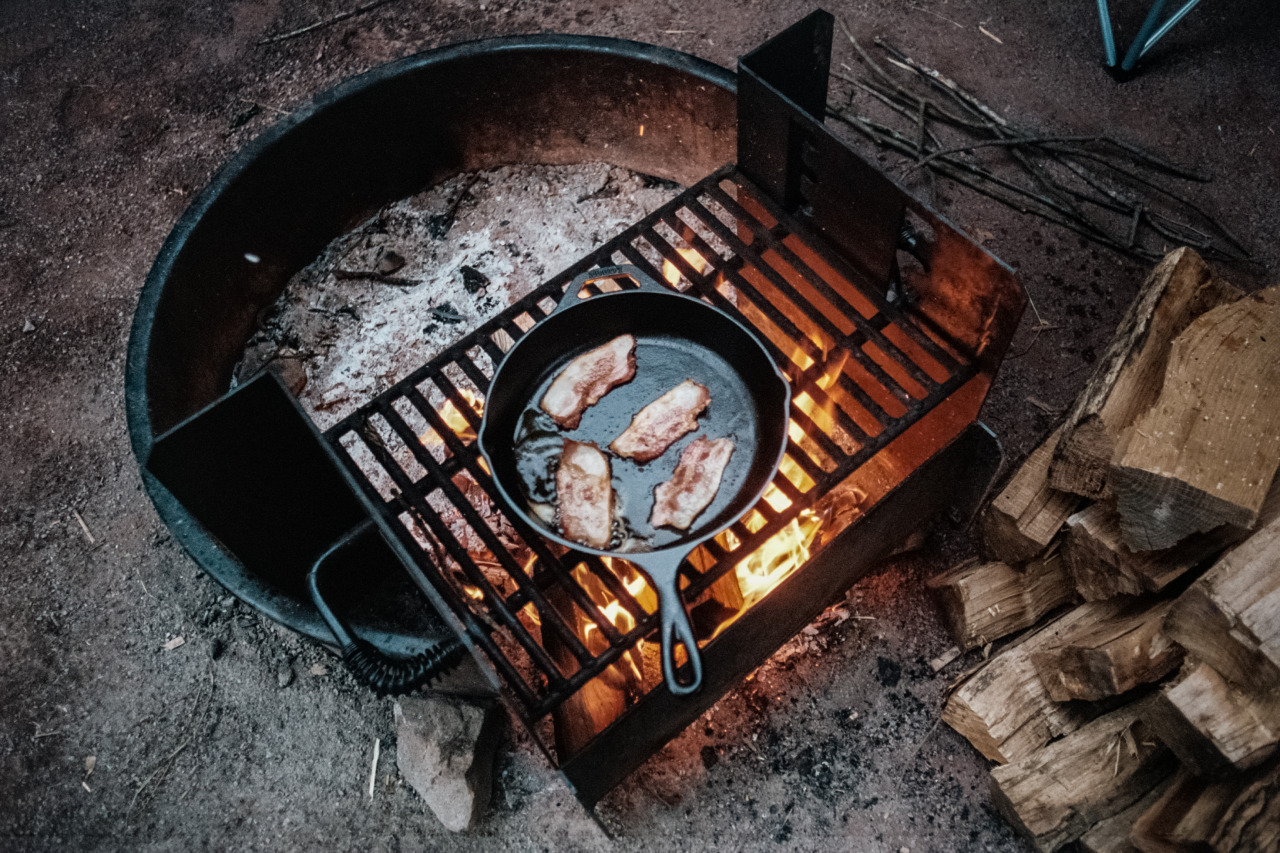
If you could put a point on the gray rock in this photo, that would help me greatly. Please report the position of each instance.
(284, 676)
(445, 748)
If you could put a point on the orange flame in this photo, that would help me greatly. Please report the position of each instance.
(672, 273)
(455, 420)
(610, 608)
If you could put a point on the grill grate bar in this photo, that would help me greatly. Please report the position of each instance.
(491, 541)
(530, 538)
(779, 281)
(804, 344)
(824, 287)
(423, 514)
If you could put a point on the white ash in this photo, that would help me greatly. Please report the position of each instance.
(517, 226)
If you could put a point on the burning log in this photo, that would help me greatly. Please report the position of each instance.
(1127, 379)
(1003, 708)
(1060, 792)
(981, 602)
(586, 712)
(1107, 649)
(1207, 450)
(1028, 512)
(1212, 726)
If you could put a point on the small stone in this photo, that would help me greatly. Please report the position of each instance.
(438, 226)
(472, 279)
(390, 262)
(285, 676)
(319, 669)
(445, 748)
(28, 326)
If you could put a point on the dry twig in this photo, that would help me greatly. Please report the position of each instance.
(1094, 185)
(336, 19)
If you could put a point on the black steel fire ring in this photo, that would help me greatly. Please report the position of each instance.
(385, 135)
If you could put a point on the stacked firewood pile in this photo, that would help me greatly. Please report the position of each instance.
(1138, 552)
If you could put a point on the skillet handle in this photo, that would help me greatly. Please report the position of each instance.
(676, 630)
(645, 281)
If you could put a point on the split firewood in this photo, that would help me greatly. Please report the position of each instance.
(1026, 515)
(1206, 452)
(1183, 817)
(1127, 378)
(1239, 813)
(1108, 648)
(982, 602)
(1102, 566)
(1230, 617)
(1060, 792)
(1213, 727)
(1252, 821)
(1112, 834)
(1003, 708)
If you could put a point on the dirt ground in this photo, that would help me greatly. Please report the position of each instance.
(114, 114)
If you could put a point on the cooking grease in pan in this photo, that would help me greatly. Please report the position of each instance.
(537, 452)
(662, 363)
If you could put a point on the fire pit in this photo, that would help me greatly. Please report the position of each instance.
(888, 323)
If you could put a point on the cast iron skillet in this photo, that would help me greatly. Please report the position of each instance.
(678, 337)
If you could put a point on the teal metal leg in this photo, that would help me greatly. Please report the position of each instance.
(1150, 33)
(1108, 40)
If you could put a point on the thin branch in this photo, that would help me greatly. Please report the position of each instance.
(336, 19)
(1009, 140)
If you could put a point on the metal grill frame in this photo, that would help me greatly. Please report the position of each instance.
(802, 197)
(538, 700)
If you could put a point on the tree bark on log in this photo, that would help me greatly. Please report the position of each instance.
(1026, 515)
(1128, 376)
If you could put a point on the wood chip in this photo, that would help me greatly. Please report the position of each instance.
(986, 32)
(84, 527)
(938, 663)
(1043, 406)
(175, 642)
(89, 762)
(373, 768)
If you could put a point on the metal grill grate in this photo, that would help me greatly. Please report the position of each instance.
(862, 371)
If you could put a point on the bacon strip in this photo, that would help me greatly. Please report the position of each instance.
(677, 502)
(588, 378)
(584, 494)
(661, 423)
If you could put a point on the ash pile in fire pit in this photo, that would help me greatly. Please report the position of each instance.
(427, 270)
